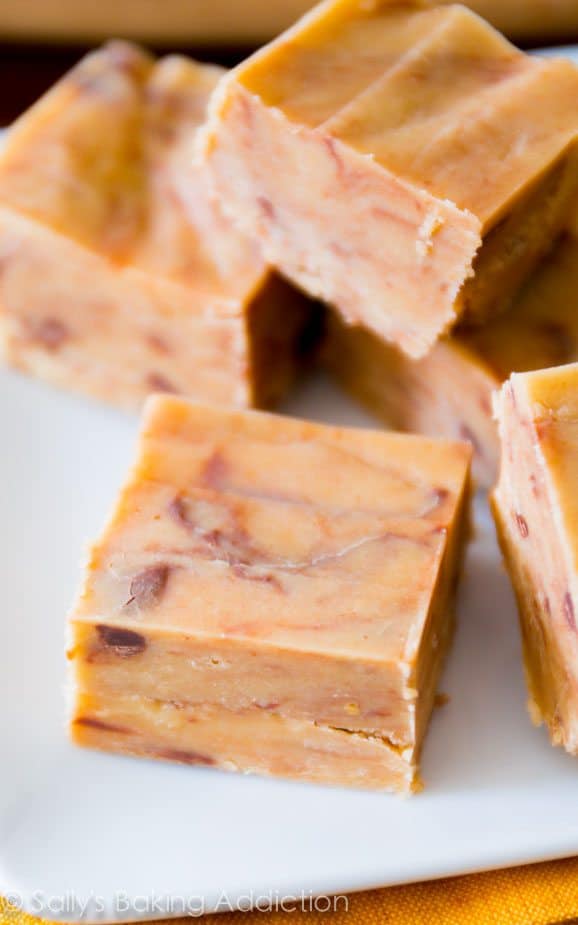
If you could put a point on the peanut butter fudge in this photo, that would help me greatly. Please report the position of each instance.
(116, 277)
(399, 160)
(449, 391)
(272, 595)
(535, 508)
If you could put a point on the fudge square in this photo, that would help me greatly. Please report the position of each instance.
(401, 161)
(449, 392)
(535, 508)
(116, 277)
(272, 596)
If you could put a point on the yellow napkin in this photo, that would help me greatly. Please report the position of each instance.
(539, 894)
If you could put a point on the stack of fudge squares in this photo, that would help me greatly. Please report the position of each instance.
(389, 189)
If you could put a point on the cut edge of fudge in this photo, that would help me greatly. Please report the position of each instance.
(262, 743)
(423, 225)
(449, 392)
(234, 361)
(407, 394)
(534, 507)
(105, 649)
(435, 247)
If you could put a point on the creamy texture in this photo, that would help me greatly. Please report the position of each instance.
(400, 110)
(118, 276)
(241, 740)
(536, 512)
(449, 392)
(267, 566)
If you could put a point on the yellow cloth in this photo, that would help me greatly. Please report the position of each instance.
(540, 894)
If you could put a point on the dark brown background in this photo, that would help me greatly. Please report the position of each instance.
(26, 71)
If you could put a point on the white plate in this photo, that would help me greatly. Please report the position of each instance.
(85, 835)
(77, 826)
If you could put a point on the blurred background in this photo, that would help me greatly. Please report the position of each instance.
(41, 39)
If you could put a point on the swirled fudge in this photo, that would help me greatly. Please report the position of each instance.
(402, 161)
(449, 392)
(536, 514)
(116, 277)
(273, 596)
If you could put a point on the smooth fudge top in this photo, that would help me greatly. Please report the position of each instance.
(104, 158)
(434, 94)
(278, 531)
